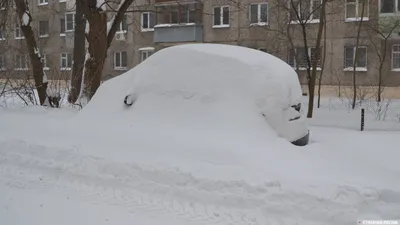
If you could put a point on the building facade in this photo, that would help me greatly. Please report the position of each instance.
(278, 27)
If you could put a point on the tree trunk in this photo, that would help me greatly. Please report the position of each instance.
(381, 70)
(34, 54)
(79, 53)
(323, 64)
(356, 58)
(311, 83)
(98, 52)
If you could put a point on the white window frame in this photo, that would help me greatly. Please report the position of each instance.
(309, 55)
(3, 61)
(148, 22)
(396, 6)
(64, 56)
(259, 22)
(359, 69)
(48, 30)
(221, 25)
(18, 28)
(354, 19)
(311, 20)
(66, 21)
(120, 63)
(26, 64)
(393, 53)
(144, 52)
(43, 2)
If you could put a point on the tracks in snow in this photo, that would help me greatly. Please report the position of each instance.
(164, 192)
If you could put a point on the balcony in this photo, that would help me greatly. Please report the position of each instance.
(170, 33)
(178, 22)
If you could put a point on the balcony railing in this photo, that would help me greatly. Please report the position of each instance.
(169, 33)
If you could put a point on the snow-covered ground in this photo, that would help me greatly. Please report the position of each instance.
(179, 158)
(54, 172)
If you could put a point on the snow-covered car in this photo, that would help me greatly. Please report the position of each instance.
(224, 80)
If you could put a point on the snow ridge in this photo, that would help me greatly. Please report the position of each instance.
(172, 192)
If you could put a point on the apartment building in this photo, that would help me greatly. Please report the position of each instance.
(272, 26)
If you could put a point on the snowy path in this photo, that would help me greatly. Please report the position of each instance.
(171, 194)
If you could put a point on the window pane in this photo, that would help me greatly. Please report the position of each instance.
(43, 27)
(362, 3)
(302, 57)
(145, 20)
(192, 16)
(315, 57)
(70, 21)
(124, 25)
(117, 59)
(226, 16)
(294, 7)
(174, 17)
(316, 9)
(264, 13)
(396, 61)
(362, 57)
(217, 16)
(350, 11)
(305, 8)
(152, 20)
(69, 60)
(387, 6)
(124, 59)
(291, 57)
(348, 56)
(254, 14)
(184, 16)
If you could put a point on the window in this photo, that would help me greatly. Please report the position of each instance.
(390, 6)
(123, 28)
(65, 61)
(221, 16)
(259, 13)
(43, 28)
(354, 9)
(308, 10)
(18, 31)
(178, 14)
(396, 57)
(21, 62)
(2, 63)
(349, 58)
(145, 54)
(301, 54)
(67, 23)
(120, 60)
(147, 21)
(43, 2)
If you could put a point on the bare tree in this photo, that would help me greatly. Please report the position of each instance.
(379, 40)
(25, 18)
(99, 36)
(355, 62)
(303, 21)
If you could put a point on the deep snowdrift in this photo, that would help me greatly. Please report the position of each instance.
(202, 88)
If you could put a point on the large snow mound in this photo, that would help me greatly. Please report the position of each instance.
(201, 83)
